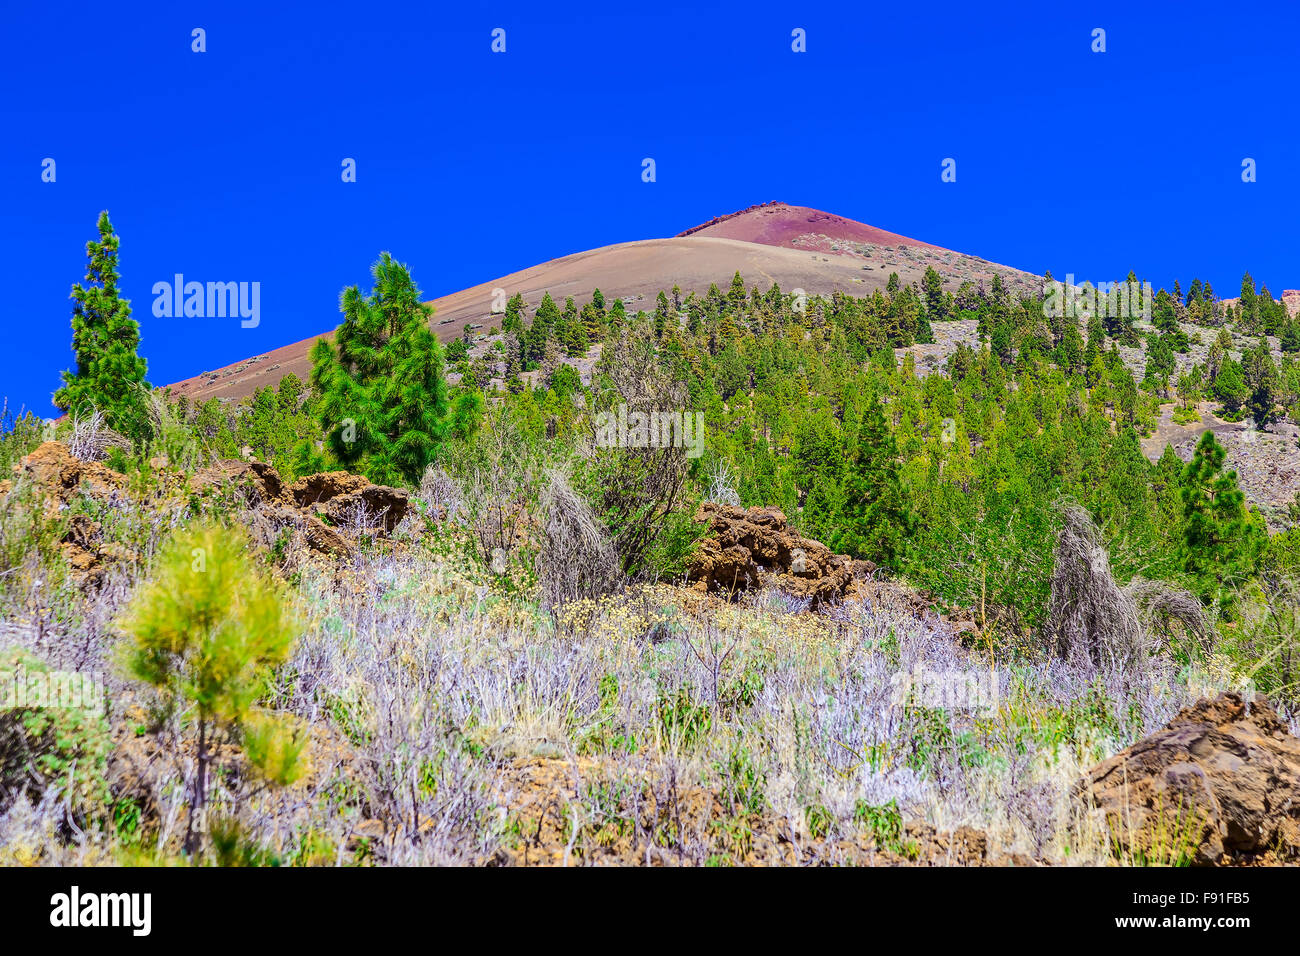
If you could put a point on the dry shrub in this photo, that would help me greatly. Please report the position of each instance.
(1172, 614)
(577, 558)
(496, 480)
(281, 534)
(171, 437)
(722, 485)
(440, 493)
(1265, 644)
(640, 489)
(361, 520)
(1091, 619)
(92, 440)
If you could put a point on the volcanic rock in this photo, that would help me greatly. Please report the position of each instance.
(260, 482)
(60, 476)
(313, 489)
(755, 547)
(1221, 782)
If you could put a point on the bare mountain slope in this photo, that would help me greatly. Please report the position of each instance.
(848, 256)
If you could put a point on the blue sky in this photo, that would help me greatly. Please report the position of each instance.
(225, 165)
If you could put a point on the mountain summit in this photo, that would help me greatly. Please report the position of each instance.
(778, 224)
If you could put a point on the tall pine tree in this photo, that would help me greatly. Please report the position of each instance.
(1219, 539)
(109, 375)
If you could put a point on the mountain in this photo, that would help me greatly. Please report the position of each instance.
(794, 246)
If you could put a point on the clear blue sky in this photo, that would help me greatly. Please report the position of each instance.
(225, 165)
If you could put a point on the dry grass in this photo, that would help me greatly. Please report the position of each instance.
(453, 721)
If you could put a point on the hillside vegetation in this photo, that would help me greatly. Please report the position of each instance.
(445, 604)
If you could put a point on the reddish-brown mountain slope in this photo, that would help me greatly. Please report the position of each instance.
(779, 224)
(796, 247)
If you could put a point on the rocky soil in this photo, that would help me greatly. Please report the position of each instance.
(330, 509)
(537, 789)
(1267, 462)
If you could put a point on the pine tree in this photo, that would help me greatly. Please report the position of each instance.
(1069, 356)
(714, 301)
(514, 317)
(1124, 508)
(1163, 316)
(1230, 387)
(551, 360)
(541, 329)
(1289, 339)
(1160, 361)
(207, 630)
(736, 295)
(617, 315)
(694, 317)
(575, 340)
(1247, 288)
(592, 321)
(1261, 382)
(466, 414)
(109, 375)
(383, 392)
(1214, 361)
(935, 305)
(513, 357)
(1127, 396)
(1219, 539)
(876, 520)
(730, 373)
(662, 314)
(560, 330)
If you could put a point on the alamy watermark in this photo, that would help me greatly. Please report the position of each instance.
(133, 911)
(654, 429)
(957, 690)
(212, 300)
(66, 690)
(1120, 300)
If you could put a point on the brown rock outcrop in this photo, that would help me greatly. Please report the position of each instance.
(375, 506)
(755, 548)
(1220, 783)
(339, 498)
(313, 489)
(315, 502)
(60, 477)
(260, 482)
(317, 505)
(318, 535)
